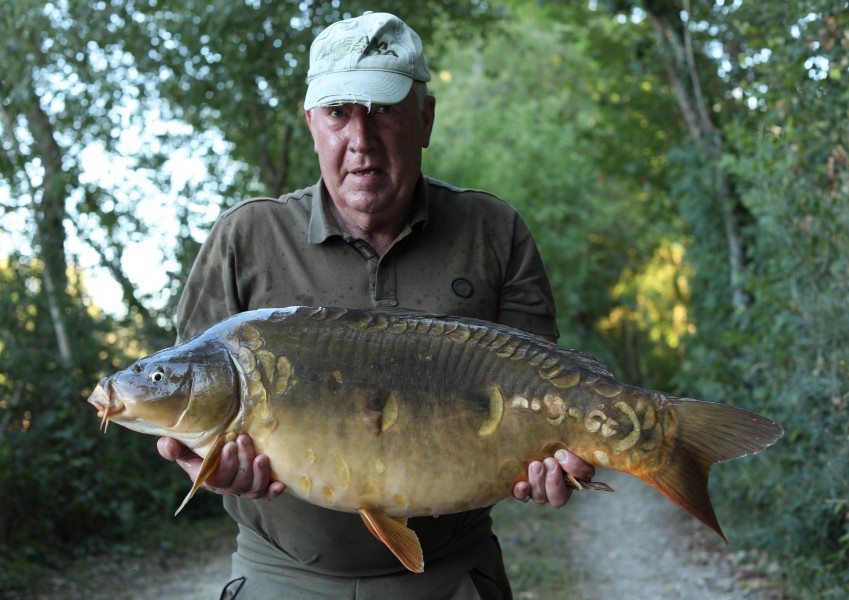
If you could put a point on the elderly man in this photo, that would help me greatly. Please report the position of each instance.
(373, 232)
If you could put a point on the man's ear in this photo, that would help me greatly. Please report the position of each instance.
(428, 117)
(308, 115)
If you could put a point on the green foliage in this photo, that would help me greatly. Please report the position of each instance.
(552, 146)
(65, 482)
(793, 359)
(774, 76)
(783, 353)
(535, 556)
(570, 111)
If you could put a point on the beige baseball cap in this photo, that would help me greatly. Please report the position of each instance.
(369, 59)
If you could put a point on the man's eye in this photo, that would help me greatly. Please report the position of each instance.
(383, 109)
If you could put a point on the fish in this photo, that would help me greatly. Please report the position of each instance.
(393, 414)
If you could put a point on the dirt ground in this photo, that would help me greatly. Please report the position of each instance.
(635, 544)
(632, 544)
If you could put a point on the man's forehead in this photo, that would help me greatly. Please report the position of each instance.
(351, 105)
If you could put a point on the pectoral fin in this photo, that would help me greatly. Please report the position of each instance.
(400, 539)
(208, 466)
(580, 484)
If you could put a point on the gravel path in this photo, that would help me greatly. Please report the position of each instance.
(201, 581)
(635, 544)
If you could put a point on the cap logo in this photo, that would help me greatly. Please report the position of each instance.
(356, 45)
(382, 48)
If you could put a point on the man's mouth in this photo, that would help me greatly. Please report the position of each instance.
(365, 172)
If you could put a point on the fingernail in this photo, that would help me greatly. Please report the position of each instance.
(561, 456)
(550, 465)
(536, 468)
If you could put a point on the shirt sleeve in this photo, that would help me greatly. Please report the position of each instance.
(211, 292)
(526, 300)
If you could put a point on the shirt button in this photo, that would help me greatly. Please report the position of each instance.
(463, 287)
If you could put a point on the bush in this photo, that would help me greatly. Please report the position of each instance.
(67, 488)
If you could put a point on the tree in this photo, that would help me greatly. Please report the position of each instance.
(759, 183)
(577, 142)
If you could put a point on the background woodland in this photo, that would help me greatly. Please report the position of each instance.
(683, 165)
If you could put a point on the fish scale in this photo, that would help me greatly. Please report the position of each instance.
(394, 414)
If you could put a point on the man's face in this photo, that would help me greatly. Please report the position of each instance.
(370, 160)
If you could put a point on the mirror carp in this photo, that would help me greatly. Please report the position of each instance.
(397, 414)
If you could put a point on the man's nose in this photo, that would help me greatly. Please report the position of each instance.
(361, 130)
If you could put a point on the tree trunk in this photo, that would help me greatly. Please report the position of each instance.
(49, 199)
(676, 45)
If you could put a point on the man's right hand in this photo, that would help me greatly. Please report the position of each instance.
(241, 472)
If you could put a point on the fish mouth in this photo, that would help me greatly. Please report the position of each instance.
(106, 408)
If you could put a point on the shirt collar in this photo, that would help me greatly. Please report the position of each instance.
(322, 226)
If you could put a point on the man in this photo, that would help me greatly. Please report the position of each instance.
(373, 232)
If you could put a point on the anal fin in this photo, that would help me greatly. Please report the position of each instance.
(400, 539)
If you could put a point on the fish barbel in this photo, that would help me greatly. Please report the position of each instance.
(394, 414)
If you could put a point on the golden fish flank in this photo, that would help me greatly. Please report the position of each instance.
(393, 438)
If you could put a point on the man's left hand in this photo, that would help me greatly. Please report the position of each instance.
(546, 485)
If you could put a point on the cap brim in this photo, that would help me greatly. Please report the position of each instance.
(361, 87)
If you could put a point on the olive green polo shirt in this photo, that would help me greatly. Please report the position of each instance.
(462, 252)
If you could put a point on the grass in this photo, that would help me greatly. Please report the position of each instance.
(534, 541)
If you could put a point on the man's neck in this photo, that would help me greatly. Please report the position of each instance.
(378, 230)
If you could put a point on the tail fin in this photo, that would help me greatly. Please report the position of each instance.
(708, 433)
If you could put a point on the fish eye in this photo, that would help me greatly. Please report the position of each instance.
(157, 376)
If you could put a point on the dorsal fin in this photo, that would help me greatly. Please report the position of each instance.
(400, 539)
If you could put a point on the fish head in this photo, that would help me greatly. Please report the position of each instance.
(189, 392)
